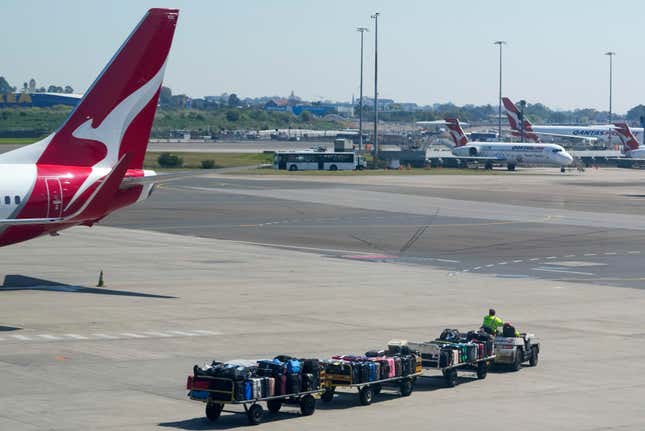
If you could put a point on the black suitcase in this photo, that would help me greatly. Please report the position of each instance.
(308, 382)
(405, 365)
(294, 381)
(311, 366)
(239, 390)
(356, 372)
(445, 358)
(365, 372)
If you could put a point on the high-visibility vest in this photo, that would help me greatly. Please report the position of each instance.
(492, 323)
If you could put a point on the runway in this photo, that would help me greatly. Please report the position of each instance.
(232, 266)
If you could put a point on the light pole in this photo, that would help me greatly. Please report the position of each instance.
(499, 111)
(375, 18)
(611, 73)
(522, 106)
(360, 102)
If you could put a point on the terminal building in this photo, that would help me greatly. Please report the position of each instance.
(38, 100)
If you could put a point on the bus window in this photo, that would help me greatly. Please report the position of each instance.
(7, 200)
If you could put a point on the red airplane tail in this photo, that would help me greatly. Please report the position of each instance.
(626, 137)
(456, 132)
(115, 115)
(513, 114)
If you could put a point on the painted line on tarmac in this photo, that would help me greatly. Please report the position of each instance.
(562, 271)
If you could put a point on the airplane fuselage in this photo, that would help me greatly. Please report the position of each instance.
(517, 153)
(30, 191)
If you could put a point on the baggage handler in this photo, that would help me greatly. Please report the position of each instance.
(492, 323)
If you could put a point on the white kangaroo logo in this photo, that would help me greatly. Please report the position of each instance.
(111, 130)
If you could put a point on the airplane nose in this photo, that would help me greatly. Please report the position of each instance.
(568, 158)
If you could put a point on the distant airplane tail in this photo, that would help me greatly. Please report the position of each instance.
(513, 114)
(115, 115)
(626, 137)
(456, 132)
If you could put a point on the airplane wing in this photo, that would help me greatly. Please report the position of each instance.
(560, 135)
(28, 221)
(126, 183)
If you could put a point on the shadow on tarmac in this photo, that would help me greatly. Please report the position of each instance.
(14, 282)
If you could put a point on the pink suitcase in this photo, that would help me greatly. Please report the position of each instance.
(392, 365)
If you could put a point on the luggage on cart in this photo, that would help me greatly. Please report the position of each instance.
(452, 335)
(293, 366)
(375, 353)
(248, 390)
(308, 382)
(268, 368)
(238, 390)
(281, 384)
(271, 386)
(397, 366)
(294, 381)
(405, 365)
(374, 370)
(398, 347)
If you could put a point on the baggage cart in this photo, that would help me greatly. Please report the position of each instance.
(450, 373)
(476, 364)
(216, 399)
(368, 390)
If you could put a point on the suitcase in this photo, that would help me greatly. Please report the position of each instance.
(385, 368)
(269, 368)
(294, 381)
(391, 367)
(257, 387)
(248, 389)
(375, 353)
(365, 372)
(308, 382)
(265, 387)
(270, 386)
(356, 373)
(311, 366)
(293, 366)
(445, 358)
(405, 365)
(239, 390)
(377, 370)
(455, 356)
(281, 384)
(397, 365)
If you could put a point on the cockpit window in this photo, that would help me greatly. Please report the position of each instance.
(557, 150)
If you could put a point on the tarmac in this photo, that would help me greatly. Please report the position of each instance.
(231, 266)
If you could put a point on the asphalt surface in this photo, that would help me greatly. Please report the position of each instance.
(575, 227)
(232, 266)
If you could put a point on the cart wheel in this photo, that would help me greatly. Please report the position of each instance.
(406, 387)
(254, 414)
(451, 377)
(307, 405)
(213, 411)
(517, 363)
(274, 406)
(328, 395)
(482, 370)
(377, 388)
(366, 395)
(534, 357)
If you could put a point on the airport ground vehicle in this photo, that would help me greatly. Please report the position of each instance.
(217, 392)
(309, 160)
(515, 351)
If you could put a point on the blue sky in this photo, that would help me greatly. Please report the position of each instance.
(429, 51)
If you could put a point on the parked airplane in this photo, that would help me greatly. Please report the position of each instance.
(506, 152)
(531, 132)
(631, 147)
(93, 164)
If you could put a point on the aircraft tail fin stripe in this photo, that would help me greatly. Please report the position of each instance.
(626, 137)
(456, 132)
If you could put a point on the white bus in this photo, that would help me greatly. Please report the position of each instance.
(317, 161)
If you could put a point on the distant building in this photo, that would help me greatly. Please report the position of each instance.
(39, 100)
